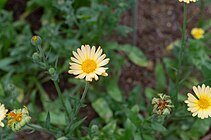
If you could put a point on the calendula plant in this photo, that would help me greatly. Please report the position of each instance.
(71, 85)
(88, 63)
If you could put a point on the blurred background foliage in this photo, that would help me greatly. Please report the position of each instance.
(65, 25)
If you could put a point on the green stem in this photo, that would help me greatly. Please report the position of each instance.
(202, 6)
(77, 108)
(43, 55)
(82, 98)
(39, 128)
(181, 52)
(61, 97)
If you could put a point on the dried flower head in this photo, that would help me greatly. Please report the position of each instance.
(17, 118)
(162, 105)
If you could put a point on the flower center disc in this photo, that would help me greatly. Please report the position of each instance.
(198, 34)
(34, 38)
(203, 103)
(89, 66)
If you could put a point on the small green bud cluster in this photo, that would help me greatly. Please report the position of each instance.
(53, 73)
(40, 58)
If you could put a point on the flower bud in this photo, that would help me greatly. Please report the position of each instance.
(94, 128)
(51, 71)
(162, 104)
(36, 56)
(54, 74)
(10, 87)
(36, 40)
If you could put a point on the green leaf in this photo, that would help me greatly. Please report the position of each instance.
(103, 109)
(135, 55)
(2, 3)
(110, 127)
(160, 77)
(150, 93)
(1, 90)
(5, 64)
(130, 128)
(200, 127)
(172, 93)
(158, 127)
(57, 118)
(135, 97)
(47, 121)
(77, 124)
(62, 138)
(123, 30)
(135, 117)
(114, 91)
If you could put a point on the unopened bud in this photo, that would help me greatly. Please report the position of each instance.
(94, 128)
(36, 40)
(51, 71)
(10, 87)
(162, 104)
(36, 56)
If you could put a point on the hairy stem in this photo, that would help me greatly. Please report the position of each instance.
(181, 52)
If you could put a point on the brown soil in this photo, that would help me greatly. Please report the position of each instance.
(158, 25)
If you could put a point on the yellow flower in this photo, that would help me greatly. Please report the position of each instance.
(197, 33)
(187, 1)
(36, 40)
(88, 62)
(3, 112)
(201, 103)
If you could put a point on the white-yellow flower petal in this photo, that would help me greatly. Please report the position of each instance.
(88, 63)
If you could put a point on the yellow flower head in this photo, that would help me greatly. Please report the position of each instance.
(36, 40)
(187, 1)
(197, 33)
(201, 103)
(88, 63)
(3, 112)
(18, 118)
